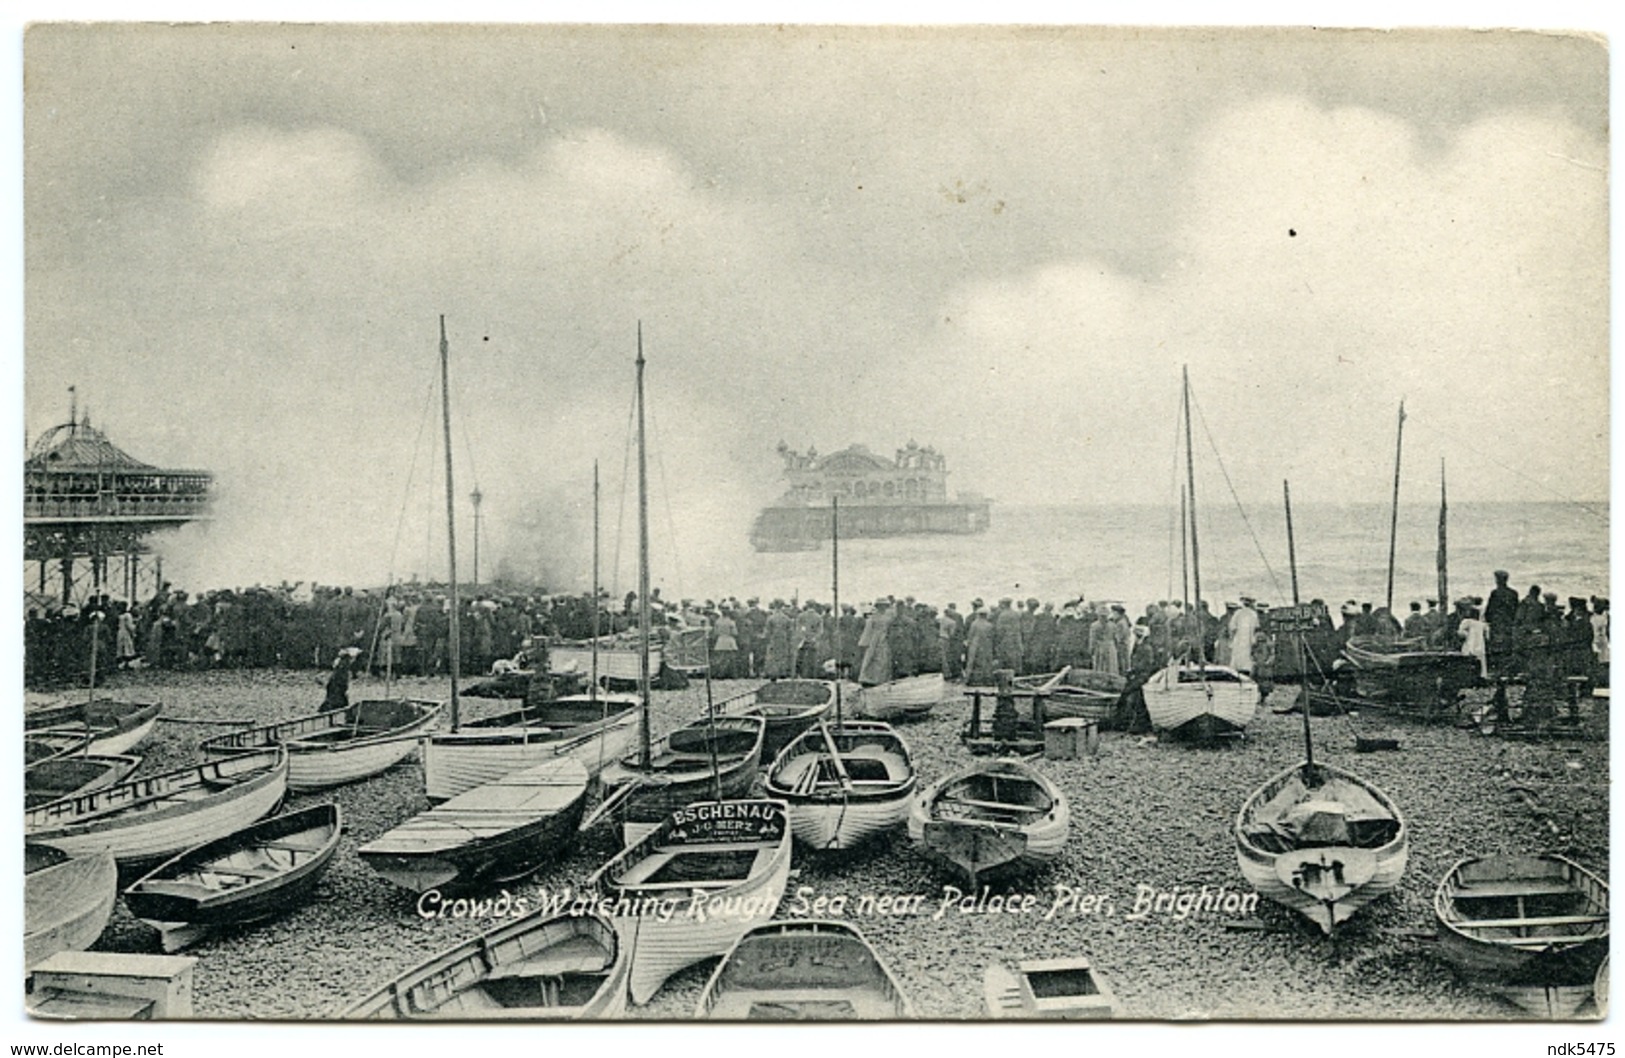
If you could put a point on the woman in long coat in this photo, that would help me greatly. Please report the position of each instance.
(780, 631)
(875, 642)
(979, 650)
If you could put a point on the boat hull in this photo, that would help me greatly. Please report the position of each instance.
(1403, 676)
(1212, 703)
(255, 874)
(615, 663)
(113, 727)
(1553, 937)
(536, 968)
(707, 916)
(824, 814)
(150, 820)
(908, 698)
(1082, 694)
(803, 970)
(74, 776)
(1054, 989)
(980, 840)
(681, 772)
(455, 762)
(491, 834)
(317, 760)
(67, 901)
(1303, 879)
(789, 706)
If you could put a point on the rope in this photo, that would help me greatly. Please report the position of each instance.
(411, 474)
(620, 509)
(1174, 494)
(1600, 515)
(665, 497)
(1231, 486)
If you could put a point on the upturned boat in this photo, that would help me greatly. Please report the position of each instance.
(790, 706)
(109, 727)
(909, 698)
(695, 884)
(493, 833)
(144, 821)
(592, 730)
(72, 776)
(535, 968)
(845, 783)
(340, 745)
(67, 900)
(261, 871)
(992, 819)
(1405, 674)
(1321, 841)
(803, 970)
(1070, 989)
(1530, 928)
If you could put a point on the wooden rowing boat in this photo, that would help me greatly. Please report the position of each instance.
(694, 762)
(995, 818)
(803, 970)
(1200, 702)
(1085, 694)
(493, 833)
(41, 746)
(618, 659)
(910, 698)
(340, 745)
(1069, 989)
(1599, 989)
(789, 706)
(534, 968)
(695, 884)
(258, 872)
(591, 729)
(148, 820)
(72, 776)
(845, 783)
(1404, 674)
(111, 727)
(67, 900)
(1321, 841)
(1531, 928)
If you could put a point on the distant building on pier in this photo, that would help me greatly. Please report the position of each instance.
(904, 496)
(89, 509)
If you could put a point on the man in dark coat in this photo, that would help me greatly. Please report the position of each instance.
(338, 681)
(1501, 614)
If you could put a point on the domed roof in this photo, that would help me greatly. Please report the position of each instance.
(77, 446)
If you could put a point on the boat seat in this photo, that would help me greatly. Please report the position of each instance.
(1502, 890)
(996, 806)
(1530, 923)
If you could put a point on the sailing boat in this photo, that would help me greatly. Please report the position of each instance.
(846, 782)
(589, 729)
(715, 756)
(1191, 697)
(1320, 840)
(1410, 674)
(500, 829)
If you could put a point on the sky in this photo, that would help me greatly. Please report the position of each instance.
(1004, 242)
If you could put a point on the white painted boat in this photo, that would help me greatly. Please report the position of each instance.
(73, 776)
(695, 884)
(498, 832)
(67, 900)
(803, 970)
(1068, 989)
(909, 698)
(844, 784)
(1200, 701)
(483, 751)
(111, 727)
(340, 745)
(1323, 843)
(992, 819)
(1530, 928)
(146, 820)
(535, 968)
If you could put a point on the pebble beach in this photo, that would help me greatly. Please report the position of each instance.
(1150, 819)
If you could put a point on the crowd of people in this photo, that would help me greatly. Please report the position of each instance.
(406, 630)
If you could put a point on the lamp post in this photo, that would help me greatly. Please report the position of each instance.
(476, 497)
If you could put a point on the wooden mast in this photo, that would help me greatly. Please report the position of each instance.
(1291, 547)
(835, 594)
(594, 690)
(1303, 693)
(455, 626)
(643, 572)
(1393, 524)
(1444, 567)
(1196, 559)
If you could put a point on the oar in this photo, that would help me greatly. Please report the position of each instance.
(835, 756)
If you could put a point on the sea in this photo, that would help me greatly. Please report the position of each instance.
(1133, 554)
